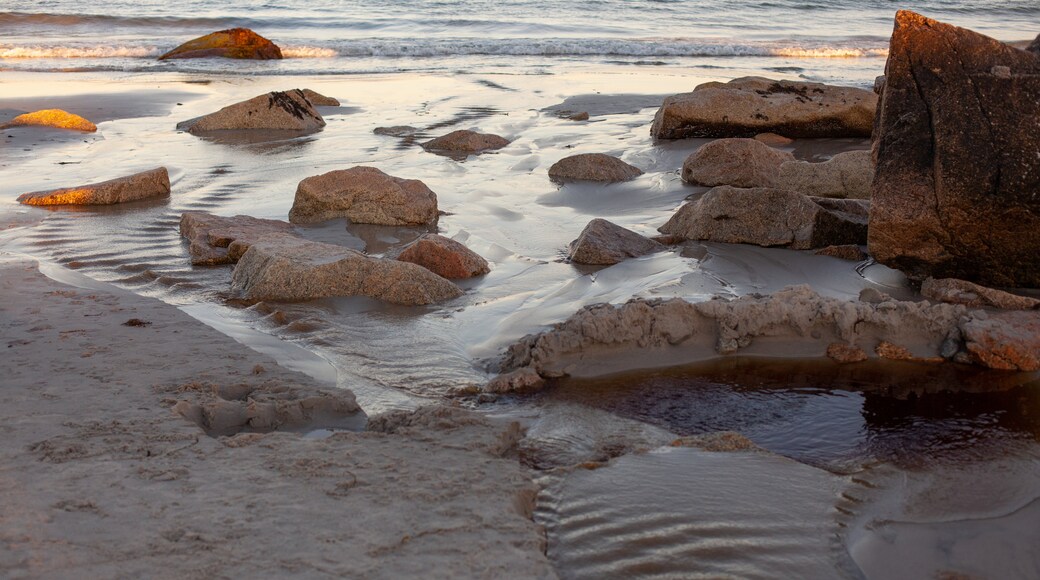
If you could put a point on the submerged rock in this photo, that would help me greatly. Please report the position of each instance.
(319, 100)
(286, 267)
(593, 167)
(223, 240)
(465, 141)
(641, 333)
(851, 252)
(54, 118)
(605, 243)
(444, 257)
(955, 195)
(770, 217)
(736, 162)
(846, 175)
(278, 111)
(364, 195)
(144, 185)
(970, 294)
(748, 106)
(239, 43)
(396, 131)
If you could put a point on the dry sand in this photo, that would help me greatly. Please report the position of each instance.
(100, 479)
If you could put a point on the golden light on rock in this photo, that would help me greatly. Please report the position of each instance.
(55, 118)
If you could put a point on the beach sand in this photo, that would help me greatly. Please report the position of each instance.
(100, 478)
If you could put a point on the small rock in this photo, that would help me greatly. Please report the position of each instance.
(593, 167)
(846, 175)
(583, 116)
(396, 131)
(770, 217)
(137, 322)
(849, 252)
(873, 296)
(364, 195)
(605, 243)
(144, 185)
(288, 111)
(520, 381)
(444, 257)
(891, 351)
(465, 141)
(240, 43)
(54, 118)
(956, 291)
(845, 353)
(773, 140)
(718, 442)
(222, 240)
(736, 162)
(286, 267)
(319, 100)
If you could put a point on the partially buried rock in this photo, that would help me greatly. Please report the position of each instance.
(444, 257)
(736, 162)
(748, 106)
(319, 100)
(520, 381)
(605, 243)
(288, 111)
(850, 252)
(239, 43)
(54, 118)
(1005, 340)
(364, 195)
(223, 240)
(773, 140)
(846, 175)
(593, 167)
(396, 131)
(465, 141)
(770, 217)
(967, 293)
(287, 267)
(844, 353)
(955, 195)
(144, 185)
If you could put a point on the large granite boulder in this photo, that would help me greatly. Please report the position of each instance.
(53, 118)
(465, 141)
(443, 256)
(231, 43)
(605, 243)
(593, 167)
(222, 240)
(748, 106)
(770, 217)
(144, 185)
(846, 175)
(364, 195)
(958, 170)
(287, 267)
(288, 111)
(320, 100)
(736, 162)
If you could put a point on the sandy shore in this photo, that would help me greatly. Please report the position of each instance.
(100, 478)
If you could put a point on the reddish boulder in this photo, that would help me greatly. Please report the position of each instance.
(444, 257)
(231, 43)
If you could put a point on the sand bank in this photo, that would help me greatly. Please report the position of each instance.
(100, 478)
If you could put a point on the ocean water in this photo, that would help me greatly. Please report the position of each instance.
(351, 36)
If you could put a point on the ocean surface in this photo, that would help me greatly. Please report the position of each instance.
(350, 36)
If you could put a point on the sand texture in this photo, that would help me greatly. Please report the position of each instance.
(100, 479)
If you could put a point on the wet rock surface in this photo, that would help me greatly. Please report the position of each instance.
(748, 106)
(53, 118)
(593, 167)
(846, 175)
(1003, 340)
(736, 162)
(770, 217)
(144, 185)
(957, 170)
(605, 243)
(851, 252)
(275, 111)
(320, 100)
(240, 43)
(465, 141)
(970, 294)
(286, 267)
(364, 195)
(222, 240)
(443, 256)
